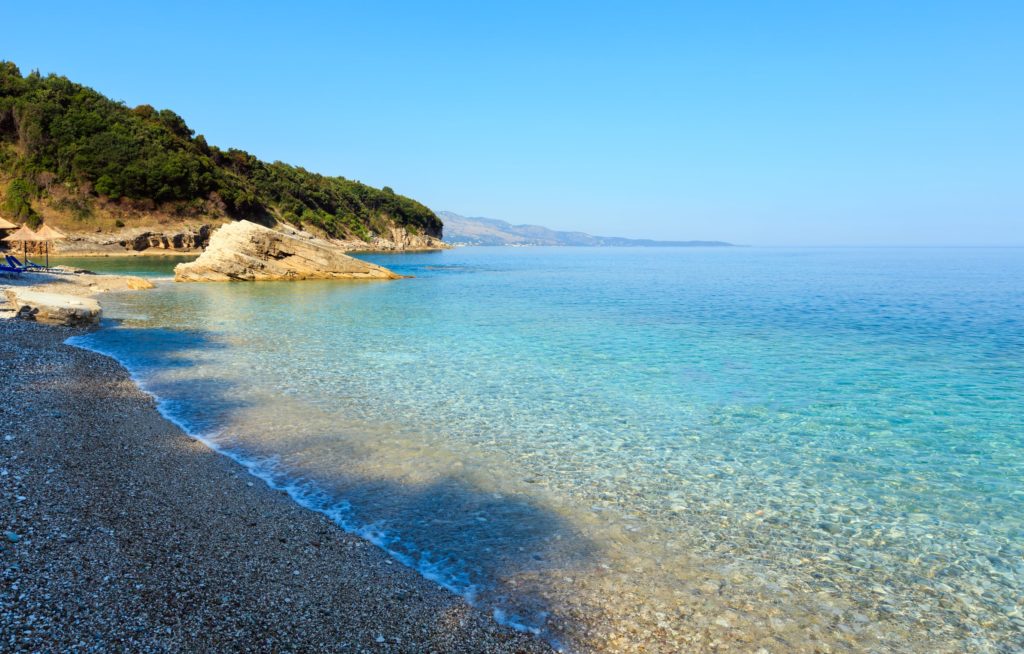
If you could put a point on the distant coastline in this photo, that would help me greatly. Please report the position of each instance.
(463, 230)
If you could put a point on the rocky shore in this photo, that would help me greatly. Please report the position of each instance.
(157, 240)
(62, 297)
(121, 533)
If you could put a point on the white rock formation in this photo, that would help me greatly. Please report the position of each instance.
(245, 251)
(53, 308)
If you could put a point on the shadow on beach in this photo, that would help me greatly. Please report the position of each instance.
(131, 537)
(496, 549)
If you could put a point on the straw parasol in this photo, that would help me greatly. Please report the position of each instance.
(6, 225)
(25, 235)
(47, 234)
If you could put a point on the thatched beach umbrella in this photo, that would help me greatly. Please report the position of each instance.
(26, 236)
(6, 225)
(47, 234)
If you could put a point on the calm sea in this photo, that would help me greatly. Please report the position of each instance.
(640, 449)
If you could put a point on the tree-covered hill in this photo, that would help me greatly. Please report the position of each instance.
(71, 149)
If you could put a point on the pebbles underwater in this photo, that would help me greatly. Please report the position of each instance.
(744, 450)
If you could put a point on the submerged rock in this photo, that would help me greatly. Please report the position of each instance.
(245, 251)
(53, 308)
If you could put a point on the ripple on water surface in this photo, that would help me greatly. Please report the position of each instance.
(642, 449)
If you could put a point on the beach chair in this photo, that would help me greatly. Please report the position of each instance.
(10, 269)
(13, 262)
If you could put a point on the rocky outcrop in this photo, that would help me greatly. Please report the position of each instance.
(245, 251)
(61, 296)
(399, 239)
(53, 308)
(190, 240)
(392, 239)
(134, 239)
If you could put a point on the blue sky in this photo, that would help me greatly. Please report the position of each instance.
(766, 123)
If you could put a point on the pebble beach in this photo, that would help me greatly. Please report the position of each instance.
(121, 533)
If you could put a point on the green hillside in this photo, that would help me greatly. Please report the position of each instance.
(66, 147)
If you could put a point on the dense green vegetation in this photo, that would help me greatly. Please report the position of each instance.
(55, 131)
(18, 202)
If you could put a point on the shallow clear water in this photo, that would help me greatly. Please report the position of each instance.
(642, 449)
(138, 265)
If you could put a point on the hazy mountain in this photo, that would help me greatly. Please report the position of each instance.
(488, 231)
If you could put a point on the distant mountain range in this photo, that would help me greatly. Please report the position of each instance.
(488, 231)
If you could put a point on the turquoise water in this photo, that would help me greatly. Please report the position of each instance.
(640, 450)
(140, 266)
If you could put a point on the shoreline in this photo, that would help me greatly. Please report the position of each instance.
(128, 533)
(159, 252)
(98, 254)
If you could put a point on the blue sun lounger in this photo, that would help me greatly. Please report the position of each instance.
(13, 262)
